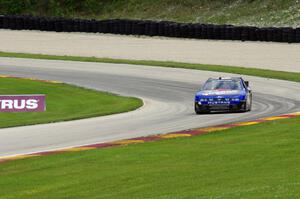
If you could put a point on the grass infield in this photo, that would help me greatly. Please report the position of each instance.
(290, 76)
(64, 102)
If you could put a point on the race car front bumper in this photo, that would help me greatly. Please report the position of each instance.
(220, 107)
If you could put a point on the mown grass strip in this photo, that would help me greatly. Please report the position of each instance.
(283, 75)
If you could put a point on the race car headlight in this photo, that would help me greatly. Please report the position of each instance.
(243, 97)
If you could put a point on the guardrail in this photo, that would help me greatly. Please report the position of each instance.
(152, 28)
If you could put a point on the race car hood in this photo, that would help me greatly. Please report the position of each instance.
(220, 93)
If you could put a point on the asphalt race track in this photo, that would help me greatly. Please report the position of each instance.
(167, 93)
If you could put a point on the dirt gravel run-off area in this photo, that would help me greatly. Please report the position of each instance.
(275, 56)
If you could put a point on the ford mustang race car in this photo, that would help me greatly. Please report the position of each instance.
(232, 94)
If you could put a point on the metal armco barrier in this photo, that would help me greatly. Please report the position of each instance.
(152, 28)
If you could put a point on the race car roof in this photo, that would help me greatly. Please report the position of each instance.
(226, 78)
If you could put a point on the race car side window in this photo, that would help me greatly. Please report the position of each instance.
(244, 85)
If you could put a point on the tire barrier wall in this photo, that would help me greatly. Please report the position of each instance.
(152, 28)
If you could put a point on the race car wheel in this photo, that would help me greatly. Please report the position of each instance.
(249, 103)
(243, 107)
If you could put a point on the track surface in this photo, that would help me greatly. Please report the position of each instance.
(275, 56)
(168, 95)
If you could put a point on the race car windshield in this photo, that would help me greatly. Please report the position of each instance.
(222, 85)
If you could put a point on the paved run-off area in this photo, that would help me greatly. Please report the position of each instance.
(275, 56)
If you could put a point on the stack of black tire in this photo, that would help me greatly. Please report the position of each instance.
(152, 28)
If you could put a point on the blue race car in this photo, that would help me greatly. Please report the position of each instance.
(232, 94)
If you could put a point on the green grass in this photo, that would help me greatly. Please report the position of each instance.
(291, 76)
(64, 102)
(260, 161)
(239, 12)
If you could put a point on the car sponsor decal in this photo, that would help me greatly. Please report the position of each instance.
(218, 102)
(220, 92)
